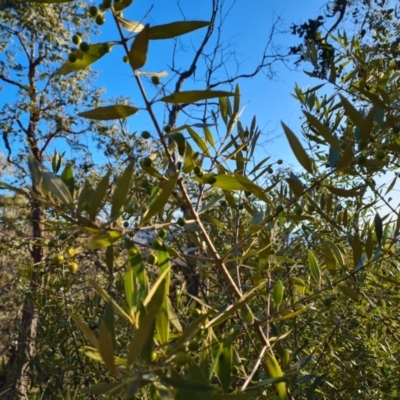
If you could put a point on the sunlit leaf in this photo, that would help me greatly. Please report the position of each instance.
(131, 26)
(122, 188)
(104, 240)
(96, 51)
(117, 111)
(277, 293)
(192, 96)
(275, 371)
(89, 334)
(168, 31)
(138, 51)
(314, 267)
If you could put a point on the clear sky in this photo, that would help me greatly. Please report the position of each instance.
(247, 29)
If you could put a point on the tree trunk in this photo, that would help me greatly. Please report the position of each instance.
(20, 367)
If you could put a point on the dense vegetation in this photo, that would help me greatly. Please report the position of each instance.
(182, 268)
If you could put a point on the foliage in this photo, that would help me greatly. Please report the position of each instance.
(296, 273)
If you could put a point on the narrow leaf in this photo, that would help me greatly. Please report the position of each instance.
(117, 111)
(168, 31)
(378, 228)
(298, 150)
(275, 371)
(192, 96)
(314, 267)
(138, 52)
(277, 293)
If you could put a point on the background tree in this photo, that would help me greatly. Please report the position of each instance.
(301, 267)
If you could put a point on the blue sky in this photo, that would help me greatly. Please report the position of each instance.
(247, 28)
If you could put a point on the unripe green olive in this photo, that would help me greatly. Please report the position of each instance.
(85, 47)
(72, 57)
(155, 79)
(93, 11)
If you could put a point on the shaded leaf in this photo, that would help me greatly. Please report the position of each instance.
(162, 198)
(351, 111)
(323, 130)
(378, 227)
(298, 150)
(105, 347)
(349, 292)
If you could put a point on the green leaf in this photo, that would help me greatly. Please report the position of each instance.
(155, 297)
(357, 250)
(168, 31)
(105, 348)
(314, 267)
(177, 382)
(295, 186)
(131, 26)
(96, 51)
(344, 192)
(104, 240)
(347, 157)
(378, 228)
(162, 198)
(50, 182)
(122, 189)
(291, 314)
(224, 364)
(258, 191)
(349, 292)
(121, 5)
(367, 125)
(335, 250)
(299, 152)
(117, 111)
(99, 195)
(352, 112)
(142, 335)
(334, 157)
(198, 140)
(180, 141)
(104, 388)
(192, 96)
(330, 260)
(277, 293)
(209, 137)
(138, 52)
(109, 322)
(275, 371)
(89, 334)
(323, 130)
(67, 177)
(188, 164)
(299, 285)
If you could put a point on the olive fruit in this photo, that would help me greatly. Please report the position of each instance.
(147, 162)
(280, 162)
(76, 39)
(73, 267)
(152, 259)
(63, 236)
(146, 135)
(181, 221)
(167, 128)
(126, 224)
(162, 233)
(58, 259)
(93, 11)
(72, 57)
(361, 159)
(198, 170)
(125, 59)
(100, 20)
(181, 358)
(298, 210)
(279, 208)
(85, 47)
(155, 79)
(211, 180)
